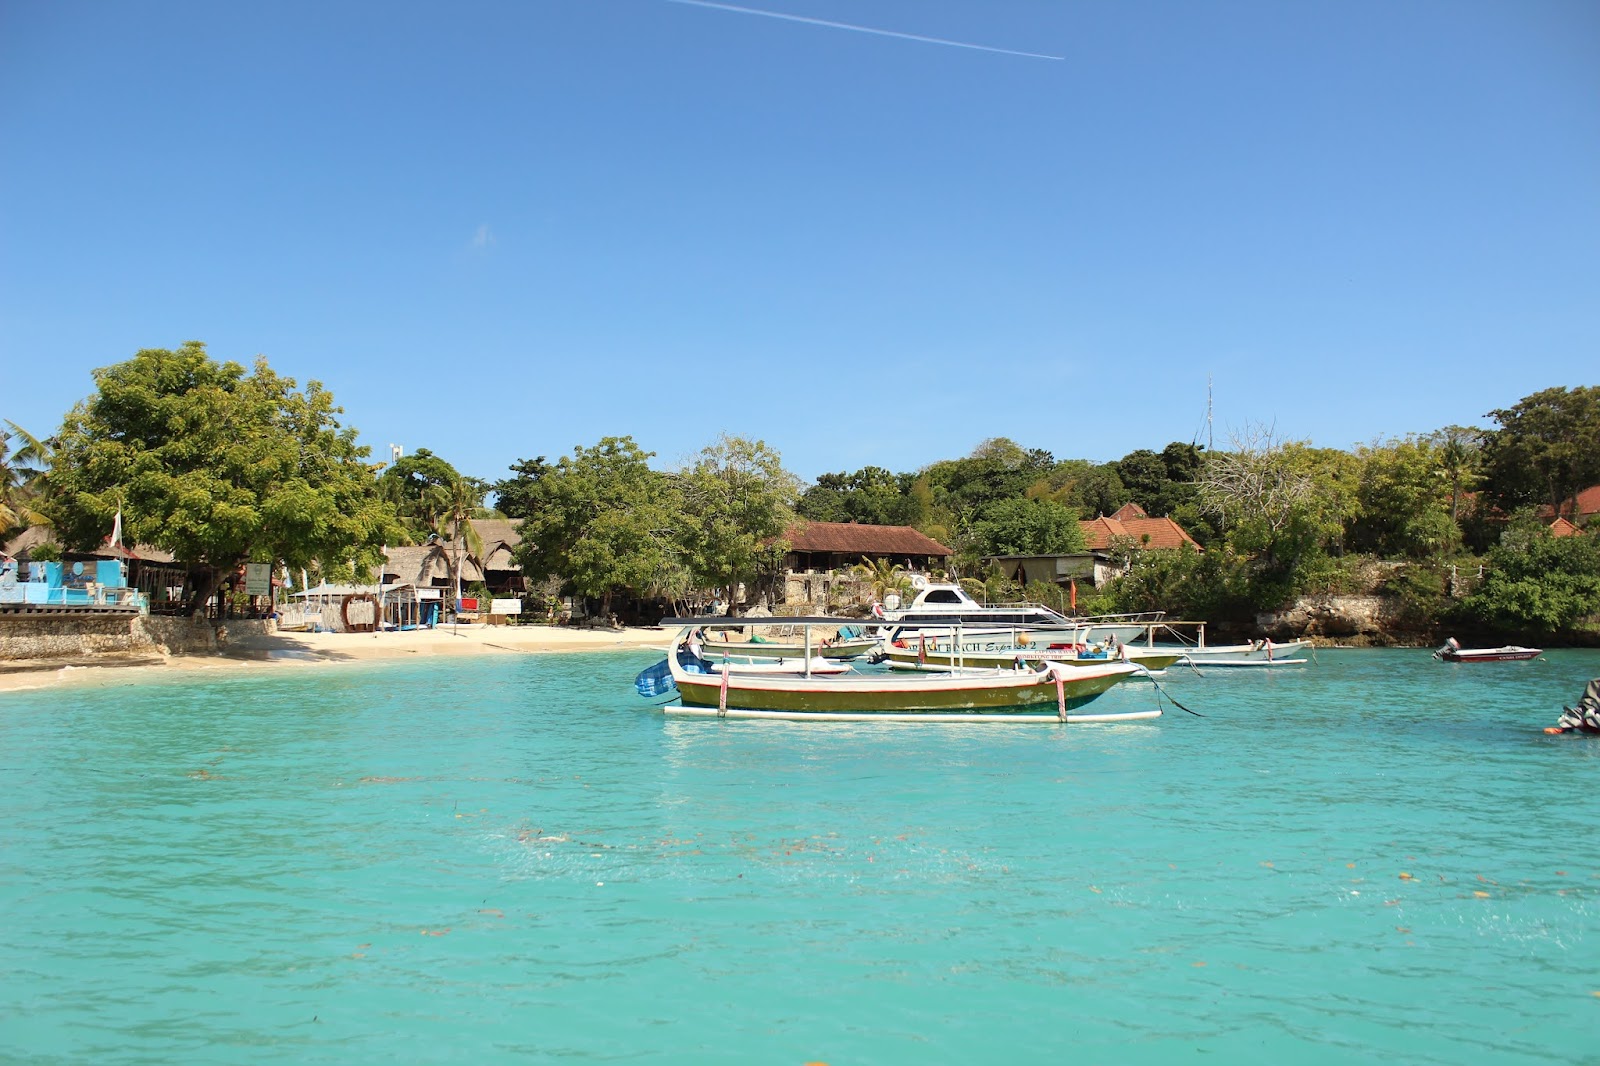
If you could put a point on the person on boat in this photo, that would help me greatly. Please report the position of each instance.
(1585, 717)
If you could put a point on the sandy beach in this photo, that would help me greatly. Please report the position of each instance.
(290, 650)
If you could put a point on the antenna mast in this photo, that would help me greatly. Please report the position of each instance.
(1208, 414)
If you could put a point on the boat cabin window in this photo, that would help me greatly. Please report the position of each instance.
(943, 596)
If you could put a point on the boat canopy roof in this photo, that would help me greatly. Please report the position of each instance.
(774, 620)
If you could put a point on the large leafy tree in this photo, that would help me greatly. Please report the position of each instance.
(1404, 501)
(1027, 526)
(738, 502)
(601, 519)
(872, 495)
(1537, 581)
(418, 486)
(218, 465)
(518, 495)
(1279, 500)
(1547, 448)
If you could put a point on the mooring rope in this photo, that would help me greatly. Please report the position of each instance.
(1163, 692)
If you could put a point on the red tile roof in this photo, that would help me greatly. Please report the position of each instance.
(1588, 504)
(1146, 532)
(1562, 528)
(1129, 510)
(863, 539)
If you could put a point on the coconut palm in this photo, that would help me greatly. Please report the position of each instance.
(19, 473)
(883, 577)
(455, 503)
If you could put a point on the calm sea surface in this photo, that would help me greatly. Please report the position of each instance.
(516, 858)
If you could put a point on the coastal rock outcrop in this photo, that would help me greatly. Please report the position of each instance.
(1365, 619)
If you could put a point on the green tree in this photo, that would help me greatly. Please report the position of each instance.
(738, 502)
(518, 496)
(417, 486)
(1028, 527)
(1536, 581)
(1144, 475)
(871, 495)
(1279, 500)
(1546, 450)
(218, 466)
(1095, 489)
(1404, 501)
(600, 519)
(20, 471)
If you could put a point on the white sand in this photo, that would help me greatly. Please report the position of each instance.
(301, 650)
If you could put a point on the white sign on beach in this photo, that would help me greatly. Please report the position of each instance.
(257, 579)
(505, 607)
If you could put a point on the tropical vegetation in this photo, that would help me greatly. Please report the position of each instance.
(222, 464)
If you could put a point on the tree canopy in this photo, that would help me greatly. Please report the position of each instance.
(217, 465)
(599, 518)
(737, 501)
(1547, 448)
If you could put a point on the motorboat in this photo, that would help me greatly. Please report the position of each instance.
(1050, 692)
(986, 627)
(1453, 652)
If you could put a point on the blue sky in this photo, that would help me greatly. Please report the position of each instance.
(502, 230)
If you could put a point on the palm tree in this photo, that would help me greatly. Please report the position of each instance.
(456, 502)
(19, 472)
(883, 576)
(1458, 459)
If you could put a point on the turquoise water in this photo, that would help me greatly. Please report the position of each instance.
(515, 858)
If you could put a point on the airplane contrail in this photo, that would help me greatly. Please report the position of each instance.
(861, 29)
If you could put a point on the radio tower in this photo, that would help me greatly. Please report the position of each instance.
(1208, 413)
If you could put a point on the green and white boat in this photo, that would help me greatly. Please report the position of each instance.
(1052, 692)
(829, 646)
(927, 653)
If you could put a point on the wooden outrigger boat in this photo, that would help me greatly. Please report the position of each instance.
(1053, 692)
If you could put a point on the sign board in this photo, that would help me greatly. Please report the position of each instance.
(257, 579)
(505, 606)
(467, 603)
(428, 594)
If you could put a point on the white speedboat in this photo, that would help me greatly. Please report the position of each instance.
(1260, 653)
(941, 607)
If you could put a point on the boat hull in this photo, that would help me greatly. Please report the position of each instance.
(887, 696)
(1235, 654)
